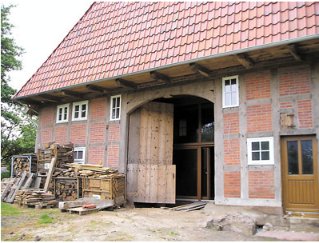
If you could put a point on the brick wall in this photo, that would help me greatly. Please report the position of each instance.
(78, 133)
(304, 113)
(231, 123)
(259, 118)
(261, 184)
(232, 151)
(232, 184)
(258, 85)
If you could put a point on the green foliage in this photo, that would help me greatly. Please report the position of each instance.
(5, 174)
(45, 219)
(17, 128)
(9, 210)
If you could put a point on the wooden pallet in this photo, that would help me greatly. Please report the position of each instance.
(82, 211)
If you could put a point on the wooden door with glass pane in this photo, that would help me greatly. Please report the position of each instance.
(300, 174)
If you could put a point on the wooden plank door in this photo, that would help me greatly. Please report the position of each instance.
(300, 174)
(151, 174)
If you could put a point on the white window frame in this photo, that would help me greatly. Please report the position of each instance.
(224, 96)
(67, 114)
(80, 161)
(271, 151)
(80, 103)
(111, 108)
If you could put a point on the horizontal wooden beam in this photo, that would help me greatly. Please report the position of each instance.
(293, 50)
(97, 88)
(126, 83)
(200, 69)
(50, 98)
(245, 60)
(159, 76)
(73, 94)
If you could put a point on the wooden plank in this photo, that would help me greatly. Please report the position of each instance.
(15, 188)
(50, 173)
(37, 182)
(29, 181)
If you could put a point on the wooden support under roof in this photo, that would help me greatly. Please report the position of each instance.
(159, 76)
(97, 88)
(200, 69)
(50, 98)
(245, 60)
(293, 50)
(125, 83)
(73, 94)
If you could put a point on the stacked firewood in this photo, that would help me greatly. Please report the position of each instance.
(66, 189)
(94, 171)
(23, 163)
(35, 198)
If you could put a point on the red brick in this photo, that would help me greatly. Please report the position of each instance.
(46, 135)
(294, 80)
(261, 184)
(232, 151)
(98, 109)
(97, 132)
(61, 134)
(231, 123)
(259, 118)
(114, 132)
(305, 114)
(113, 155)
(47, 117)
(96, 155)
(286, 105)
(232, 184)
(258, 85)
(78, 133)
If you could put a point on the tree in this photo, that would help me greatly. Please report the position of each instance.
(17, 128)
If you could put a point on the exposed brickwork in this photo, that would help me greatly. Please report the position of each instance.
(232, 151)
(259, 118)
(294, 80)
(261, 184)
(61, 134)
(46, 135)
(96, 155)
(114, 132)
(231, 123)
(47, 116)
(258, 85)
(232, 184)
(286, 105)
(78, 133)
(304, 114)
(97, 132)
(113, 155)
(98, 109)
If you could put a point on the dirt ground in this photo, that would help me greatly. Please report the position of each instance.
(126, 224)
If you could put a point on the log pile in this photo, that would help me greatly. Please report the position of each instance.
(27, 163)
(35, 198)
(66, 189)
(92, 171)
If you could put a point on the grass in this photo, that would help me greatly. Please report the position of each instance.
(45, 219)
(9, 210)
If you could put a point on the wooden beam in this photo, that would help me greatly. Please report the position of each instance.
(200, 69)
(72, 93)
(159, 76)
(50, 98)
(293, 50)
(125, 83)
(97, 88)
(245, 60)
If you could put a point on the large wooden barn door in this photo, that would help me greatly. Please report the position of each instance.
(150, 171)
(300, 174)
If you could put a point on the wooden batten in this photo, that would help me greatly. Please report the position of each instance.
(245, 60)
(73, 94)
(293, 50)
(159, 76)
(200, 69)
(125, 83)
(97, 88)
(50, 98)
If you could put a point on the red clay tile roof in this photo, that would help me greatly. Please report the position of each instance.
(114, 39)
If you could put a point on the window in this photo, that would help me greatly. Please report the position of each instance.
(62, 113)
(115, 108)
(80, 111)
(182, 128)
(79, 155)
(230, 91)
(260, 151)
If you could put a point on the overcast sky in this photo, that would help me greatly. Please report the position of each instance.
(40, 25)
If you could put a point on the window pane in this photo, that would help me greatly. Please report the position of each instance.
(255, 156)
(65, 113)
(83, 113)
(76, 114)
(265, 155)
(113, 114)
(227, 82)
(307, 160)
(234, 81)
(75, 154)
(117, 114)
(234, 98)
(60, 117)
(77, 108)
(227, 88)
(118, 102)
(234, 87)
(255, 146)
(80, 154)
(292, 148)
(227, 99)
(113, 103)
(264, 145)
(84, 107)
